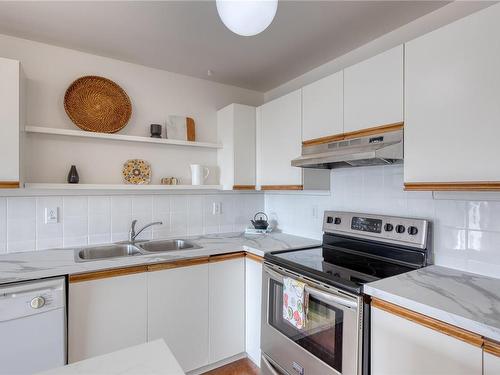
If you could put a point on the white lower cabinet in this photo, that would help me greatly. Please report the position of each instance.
(253, 293)
(403, 347)
(491, 364)
(177, 312)
(226, 308)
(106, 315)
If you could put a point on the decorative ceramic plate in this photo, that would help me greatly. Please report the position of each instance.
(97, 104)
(137, 172)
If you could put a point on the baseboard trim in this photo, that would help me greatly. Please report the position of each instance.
(218, 364)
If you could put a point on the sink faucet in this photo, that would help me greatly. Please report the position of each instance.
(132, 235)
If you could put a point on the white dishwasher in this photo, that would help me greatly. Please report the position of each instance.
(32, 326)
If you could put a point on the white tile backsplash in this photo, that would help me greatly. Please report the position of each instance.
(466, 232)
(102, 219)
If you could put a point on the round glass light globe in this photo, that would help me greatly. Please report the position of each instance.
(247, 18)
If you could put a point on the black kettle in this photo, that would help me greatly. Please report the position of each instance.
(259, 222)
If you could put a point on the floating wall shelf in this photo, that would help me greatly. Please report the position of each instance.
(118, 187)
(118, 137)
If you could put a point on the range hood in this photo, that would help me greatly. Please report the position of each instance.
(376, 149)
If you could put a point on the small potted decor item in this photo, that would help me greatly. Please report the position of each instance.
(169, 181)
(180, 127)
(137, 172)
(155, 130)
(73, 177)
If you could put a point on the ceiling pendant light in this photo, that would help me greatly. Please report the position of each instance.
(245, 17)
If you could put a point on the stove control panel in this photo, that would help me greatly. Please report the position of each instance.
(391, 229)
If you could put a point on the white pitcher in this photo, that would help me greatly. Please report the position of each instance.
(199, 174)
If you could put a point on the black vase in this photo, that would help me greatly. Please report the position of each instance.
(73, 177)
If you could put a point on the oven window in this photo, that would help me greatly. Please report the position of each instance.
(322, 335)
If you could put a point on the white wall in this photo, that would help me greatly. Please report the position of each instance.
(466, 227)
(102, 219)
(154, 93)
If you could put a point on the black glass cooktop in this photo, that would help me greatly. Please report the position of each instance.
(336, 267)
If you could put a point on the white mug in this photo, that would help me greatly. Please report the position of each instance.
(199, 174)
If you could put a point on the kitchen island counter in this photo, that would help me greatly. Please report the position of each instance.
(152, 358)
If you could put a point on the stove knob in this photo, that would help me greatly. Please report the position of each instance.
(400, 228)
(412, 231)
(337, 220)
(388, 227)
(329, 219)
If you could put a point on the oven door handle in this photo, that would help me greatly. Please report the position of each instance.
(321, 295)
(269, 366)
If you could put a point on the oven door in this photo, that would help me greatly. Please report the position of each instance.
(330, 341)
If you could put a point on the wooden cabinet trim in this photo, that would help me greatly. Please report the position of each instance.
(255, 257)
(355, 134)
(437, 325)
(9, 184)
(104, 274)
(244, 187)
(229, 256)
(282, 187)
(322, 140)
(122, 271)
(492, 347)
(177, 264)
(453, 186)
(374, 130)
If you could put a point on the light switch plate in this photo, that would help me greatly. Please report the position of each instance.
(51, 215)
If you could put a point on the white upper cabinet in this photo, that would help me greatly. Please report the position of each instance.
(279, 141)
(11, 122)
(236, 160)
(323, 107)
(453, 105)
(373, 91)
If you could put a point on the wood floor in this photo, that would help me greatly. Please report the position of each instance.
(240, 367)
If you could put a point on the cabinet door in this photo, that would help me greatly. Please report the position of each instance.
(323, 107)
(402, 347)
(178, 313)
(491, 364)
(253, 294)
(10, 118)
(279, 138)
(106, 315)
(373, 91)
(236, 131)
(452, 103)
(226, 308)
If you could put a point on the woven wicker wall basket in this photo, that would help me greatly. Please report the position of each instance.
(97, 104)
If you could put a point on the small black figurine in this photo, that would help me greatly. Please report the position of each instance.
(155, 130)
(73, 177)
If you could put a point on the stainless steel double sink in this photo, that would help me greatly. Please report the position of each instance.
(128, 249)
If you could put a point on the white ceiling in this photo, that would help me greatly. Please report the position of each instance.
(187, 37)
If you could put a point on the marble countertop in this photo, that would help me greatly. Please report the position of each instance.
(463, 299)
(152, 358)
(47, 263)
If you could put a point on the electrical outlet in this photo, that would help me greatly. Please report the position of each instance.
(216, 208)
(314, 212)
(51, 215)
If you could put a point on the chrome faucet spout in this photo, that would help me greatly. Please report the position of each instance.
(132, 234)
